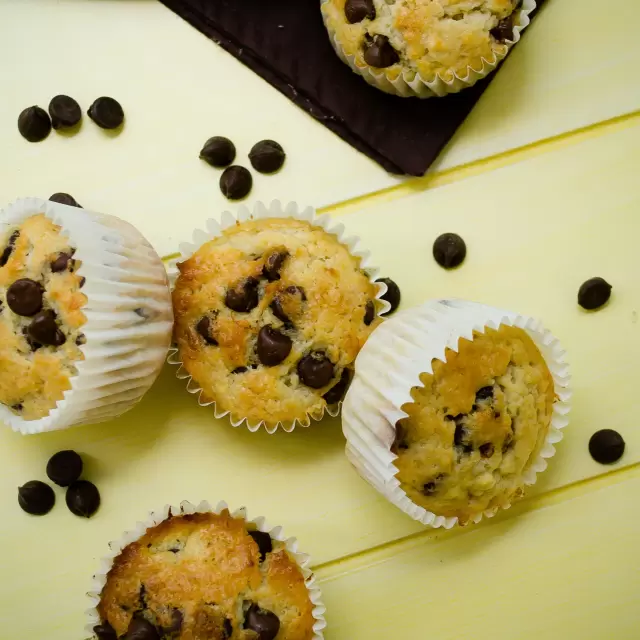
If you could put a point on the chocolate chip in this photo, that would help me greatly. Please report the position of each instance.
(64, 467)
(83, 498)
(504, 29)
(218, 152)
(106, 113)
(204, 328)
(44, 330)
(60, 263)
(64, 198)
(273, 263)
(459, 435)
(243, 296)
(81, 339)
(227, 629)
(36, 498)
(400, 440)
(606, 446)
(594, 293)
(369, 312)
(235, 182)
(81, 282)
(177, 619)
(486, 450)
(141, 629)
(449, 250)
(336, 393)
(105, 631)
(379, 53)
(239, 370)
(429, 488)
(24, 297)
(315, 370)
(267, 156)
(273, 347)
(18, 406)
(392, 296)
(6, 254)
(264, 542)
(484, 393)
(34, 124)
(358, 10)
(64, 111)
(276, 304)
(265, 623)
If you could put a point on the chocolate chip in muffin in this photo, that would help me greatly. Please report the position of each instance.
(64, 198)
(235, 182)
(177, 620)
(369, 312)
(227, 629)
(24, 297)
(336, 393)
(218, 151)
(8, 250)
(273, 263)
(65, 112)
(44, 330)
(449, 250)
(141, 629)
(264, 622)
(81, 339)
(34, 124)
(83, 498)
(267, 156)
(358, 10)
(264, 542)
(64, 467)
(606, 446)
(272, 347)
(36, 498)
(504, 29)
(61, 263)
(379, 53)
(240, 370)
(205, 328)
(487, 450)
(315, 370)
(280, 298)
(105, 631)
(243, 296)
(429, 488)
(392, 296)
(484, 393)
(106, 112)
(594, 293)
(400, 441)
(81, 282)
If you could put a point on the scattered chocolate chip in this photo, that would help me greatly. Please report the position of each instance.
(61, 263)
(6, 254)
(504, 29)
(273, 347)
(449, 250)
(235, 182)
(594, 293)
(429, 488)
(141, 629)
(267, 156)
(105, 631)
(64, 198)
(204, 328)
(227, 629)
(379, 53)
(177, 619)
(606, 446)
(276, 304)
(81, 339)
(34, 124)
(486, 450)
(18, 406)
(81, 282)
(273, 263)
(36, 498)
(392, 296)
(369, 312)
(218, 152)
(64, 467)
(83, 498)
(484, 393)
(264, 542)
(106, 113)
(458, 435)
(265, 623)
(336, 393)
(358, 10)
(243, 296)
(64, 111)
(44, 330)
(400, 440)
(24, 297)
(240, 370)
(315, 370)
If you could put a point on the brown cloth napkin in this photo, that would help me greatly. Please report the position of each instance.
(285, 42)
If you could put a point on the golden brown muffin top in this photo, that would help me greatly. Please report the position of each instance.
(476, 425)
(270, 317)
(206, 577)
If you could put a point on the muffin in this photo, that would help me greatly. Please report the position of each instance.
(85, 316)
(270, 315)
(464, 417)
(424, 47)
(207, 576)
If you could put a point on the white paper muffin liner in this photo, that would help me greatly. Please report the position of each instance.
(410, 83)
(186, 508)
(260, 211)
(390, 365)
(128, 311)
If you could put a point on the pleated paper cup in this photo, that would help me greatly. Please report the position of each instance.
(276, 209)
(187, 508)
(411, 83)
(390, 365)
(128, 313)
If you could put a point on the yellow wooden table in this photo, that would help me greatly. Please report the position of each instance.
(542, 182)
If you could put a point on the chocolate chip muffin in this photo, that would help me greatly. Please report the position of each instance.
(40, 316)
(270, 316)
(205, 576)
(476, 425)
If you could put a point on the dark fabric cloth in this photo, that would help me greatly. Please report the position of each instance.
(286, 43)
